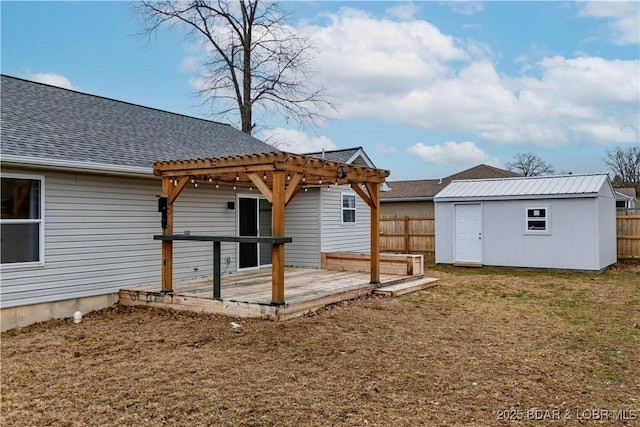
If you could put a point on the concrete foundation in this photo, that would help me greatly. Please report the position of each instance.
(14, 317)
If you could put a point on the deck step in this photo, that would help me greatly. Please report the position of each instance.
(405, 287)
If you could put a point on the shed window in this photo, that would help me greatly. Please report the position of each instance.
(21, 220)
(537, 219)
(621, 204)
(348, 208)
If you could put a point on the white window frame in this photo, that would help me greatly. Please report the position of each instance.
(343, 209)
(546, 219)
(40, 222)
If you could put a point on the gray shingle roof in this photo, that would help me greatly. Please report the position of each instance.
(342, 156)
(51, 123)
(426, 189)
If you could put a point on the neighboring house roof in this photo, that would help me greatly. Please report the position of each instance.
(417, 190)
(539, 187)
(628, 193)
(58, 125)
(355, 155)
(426, 189)
(482, 172)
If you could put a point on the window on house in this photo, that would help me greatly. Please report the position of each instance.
(537, 219)
(621, 204)
(348, 208)
(21, 220)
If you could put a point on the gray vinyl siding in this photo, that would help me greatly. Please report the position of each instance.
(338, 237)
(400, 209)
(99, 237)
(302, 223)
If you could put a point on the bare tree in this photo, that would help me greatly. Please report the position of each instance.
(528, 164)
(255, 59)
(625, 165)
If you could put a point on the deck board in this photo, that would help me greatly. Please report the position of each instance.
(248, 294)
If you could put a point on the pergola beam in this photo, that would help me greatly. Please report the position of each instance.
(292, 188)
(261, 186)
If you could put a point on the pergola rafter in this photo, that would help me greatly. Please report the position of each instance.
(278, 176)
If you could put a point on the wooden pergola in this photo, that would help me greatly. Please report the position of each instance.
(278, 176)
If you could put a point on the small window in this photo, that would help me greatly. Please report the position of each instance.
(348, 209)
(621, 204)
(537, 219)
(21, 220)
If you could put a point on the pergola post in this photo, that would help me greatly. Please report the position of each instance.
(167, 245)
(277, 230)
(374, 193)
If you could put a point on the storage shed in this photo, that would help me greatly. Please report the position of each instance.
(562, 222)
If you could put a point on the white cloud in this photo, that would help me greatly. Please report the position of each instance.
(295, 141)
(385, 149)
(623, 19)
(393, 58)
(467, 7)
(403, 11)
(189, 64)
(53, 79)
(450, 152)
(411, 72)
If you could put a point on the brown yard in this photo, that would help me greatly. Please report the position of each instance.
(485, 347)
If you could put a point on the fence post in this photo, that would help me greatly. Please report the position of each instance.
(406, 235)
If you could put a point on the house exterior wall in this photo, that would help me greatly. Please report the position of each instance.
(99, 237)
(573, 242)
(400, 209)
(302, 223)
(338, 237)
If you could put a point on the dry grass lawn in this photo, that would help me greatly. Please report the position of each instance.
(485, 345)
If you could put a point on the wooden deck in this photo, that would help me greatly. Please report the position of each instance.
(248, 294)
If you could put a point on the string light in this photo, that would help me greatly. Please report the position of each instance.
(234, 187)
(237, 177)
(264, 176)
(250, 188)
(175, 182)
(320, 181)
(195, 184)
(304, 178)
(210, 178)
(306, 189)
(289, 176)
(217, 185)
(193, 180)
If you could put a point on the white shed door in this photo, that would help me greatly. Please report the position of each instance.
(468, 238)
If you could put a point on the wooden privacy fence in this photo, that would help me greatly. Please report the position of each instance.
(408, 235)
(417, 235)
(628, 233)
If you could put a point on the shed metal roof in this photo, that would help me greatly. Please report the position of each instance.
(586, 185)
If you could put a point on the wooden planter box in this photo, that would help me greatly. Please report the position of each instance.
(399, 264)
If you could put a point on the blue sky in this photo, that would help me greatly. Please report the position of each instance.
(427, 88)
